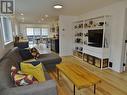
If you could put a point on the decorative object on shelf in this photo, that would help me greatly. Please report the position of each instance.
(53, 29)
(79, 34)
(91, 22)
(78, 40)
(101, 23)
(85, 34)
(85, 25)
(80, 26)
(76, 48)
(81, 49)
(75, 27)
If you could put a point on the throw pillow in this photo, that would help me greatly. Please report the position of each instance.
(37, 71)
(25, 54)
(34, 52)
(21, 79)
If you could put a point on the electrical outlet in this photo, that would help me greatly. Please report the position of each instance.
(110, 64)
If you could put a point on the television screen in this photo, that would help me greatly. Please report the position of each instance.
(95, 37)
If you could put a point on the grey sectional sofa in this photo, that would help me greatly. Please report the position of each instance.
(13, 58)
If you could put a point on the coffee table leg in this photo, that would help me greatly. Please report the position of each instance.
(94, 88)
(74, 89)
(57, 70)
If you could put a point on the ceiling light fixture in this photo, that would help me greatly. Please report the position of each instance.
(42, 19)
(58, 6)
(46, 16)
(21, 14)
(22, 18)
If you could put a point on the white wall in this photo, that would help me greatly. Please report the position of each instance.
(124, 60)
(117, 11)
(5, 48)
(66, 35)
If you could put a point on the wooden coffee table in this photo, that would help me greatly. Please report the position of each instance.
(80, 77)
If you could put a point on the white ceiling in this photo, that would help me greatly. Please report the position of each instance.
(34, 9)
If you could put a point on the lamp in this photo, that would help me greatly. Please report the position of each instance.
(58, 6)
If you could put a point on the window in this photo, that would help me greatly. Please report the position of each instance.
(45, 32)
(37, 32)
(7, 30)
(30, 32)
(34, 33)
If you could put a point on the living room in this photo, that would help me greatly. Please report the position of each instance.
(80, 47)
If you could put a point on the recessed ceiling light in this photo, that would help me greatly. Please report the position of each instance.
(46, 16)
(22, 18)
(21, 14)
(58, 6)
(42, 19)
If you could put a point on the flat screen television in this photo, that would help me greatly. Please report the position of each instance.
(95, 37)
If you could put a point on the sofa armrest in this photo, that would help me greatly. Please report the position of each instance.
(44, 88)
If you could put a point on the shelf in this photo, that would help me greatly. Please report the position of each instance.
(78, 51)
(78, 54)
(94, 28)
(78, 36)
(95, 61)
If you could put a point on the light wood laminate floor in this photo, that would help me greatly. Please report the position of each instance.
(113, 83)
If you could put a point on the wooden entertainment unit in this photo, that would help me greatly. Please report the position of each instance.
(92, 40)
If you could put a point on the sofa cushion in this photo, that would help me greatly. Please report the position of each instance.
(25, 54)
(30, 60)
(14, 56)
(50, 58)
(34, 62)
(5, 76)
(21, 44)
(34, 52)
(20, 78)
(37, 71)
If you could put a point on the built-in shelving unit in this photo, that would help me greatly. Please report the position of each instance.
(78, 39)
(92, 40)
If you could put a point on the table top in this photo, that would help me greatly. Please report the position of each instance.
(78, 75)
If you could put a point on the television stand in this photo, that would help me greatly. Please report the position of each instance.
(96, 56)
(95, 45)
